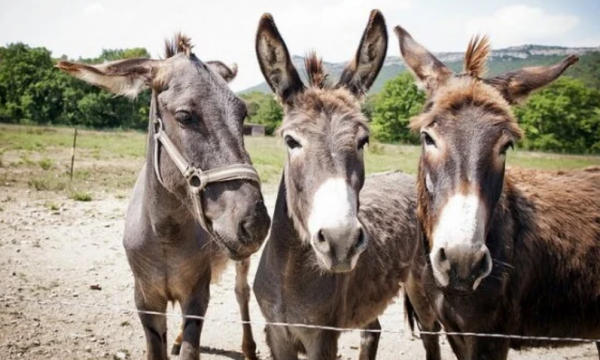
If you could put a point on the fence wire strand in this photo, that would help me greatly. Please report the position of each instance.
(110, 309)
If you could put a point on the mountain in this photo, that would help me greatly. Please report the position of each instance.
(501, 61)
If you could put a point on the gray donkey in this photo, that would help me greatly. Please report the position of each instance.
(329, 261)
(197, 200)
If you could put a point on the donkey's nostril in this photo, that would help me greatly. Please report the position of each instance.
(245, 230)
(321, 236)
(442, 255)
(483, 261)
(361, 242)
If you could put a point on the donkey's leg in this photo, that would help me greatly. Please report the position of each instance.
(598, 347)
(242, 294)
(195, 305)
(488, 348)
(324, 345)
(369, 341)
(458, 347)
(426, 317)
(282, 347)
(155, 326)
(178, 340)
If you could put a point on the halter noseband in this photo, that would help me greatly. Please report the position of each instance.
(196, 178)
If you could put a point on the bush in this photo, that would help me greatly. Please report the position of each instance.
(47, 183)
(46, 164)
(80, 196)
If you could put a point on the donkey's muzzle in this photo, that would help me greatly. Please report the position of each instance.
(253, 229)
(243, 232)
(461, 268)
(338, 249)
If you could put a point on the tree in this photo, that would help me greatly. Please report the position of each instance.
(263, 109)
(563, 117)
(392, 109)
(25, 83)
(33, 91)
(270, 114)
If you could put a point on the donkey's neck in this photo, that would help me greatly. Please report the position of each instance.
(283, 230)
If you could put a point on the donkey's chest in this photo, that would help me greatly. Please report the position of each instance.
(175, 270)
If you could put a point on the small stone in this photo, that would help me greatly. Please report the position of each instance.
(120, 356)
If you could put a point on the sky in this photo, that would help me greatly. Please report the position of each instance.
(225, 29)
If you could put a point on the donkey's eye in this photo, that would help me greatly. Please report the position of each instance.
(508, 145)
(362, 142)
(291, 142)
(427, 139)
(184, 117)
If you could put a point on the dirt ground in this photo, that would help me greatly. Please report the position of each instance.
(64, 283)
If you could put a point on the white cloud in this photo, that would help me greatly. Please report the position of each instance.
(94, 8)
(226, 29)
(522, 24)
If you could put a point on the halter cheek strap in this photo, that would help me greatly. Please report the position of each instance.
(196, 178)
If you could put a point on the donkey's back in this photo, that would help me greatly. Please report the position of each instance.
(559, 249)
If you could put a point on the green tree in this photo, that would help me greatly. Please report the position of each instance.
(26, 84)
(33, 91)
(392, 109)
(563, 117)
(270, 114)
(263, 109)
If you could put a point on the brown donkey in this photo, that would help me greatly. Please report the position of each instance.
(197, 201)
(513, 253)
(329, 261)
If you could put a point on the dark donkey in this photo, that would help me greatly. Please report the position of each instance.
(515, 252)
(329, 261)
(197, 201)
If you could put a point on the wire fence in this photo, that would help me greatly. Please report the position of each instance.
(112, 309)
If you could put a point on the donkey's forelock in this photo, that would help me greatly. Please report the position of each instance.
(460, 92)
(476, 56)
(315, 72)
(180, 44)
(469, 89)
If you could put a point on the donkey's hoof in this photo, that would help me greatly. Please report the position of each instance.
(176, 349)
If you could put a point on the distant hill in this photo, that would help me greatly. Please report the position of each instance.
(501, 60)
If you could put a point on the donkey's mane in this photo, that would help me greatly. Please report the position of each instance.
(315, 72)
(476, 56)
(180, 44)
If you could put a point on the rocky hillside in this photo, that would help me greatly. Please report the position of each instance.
(502, 60)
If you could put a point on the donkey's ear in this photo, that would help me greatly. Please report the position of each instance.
(429, 71)
(275, 62)
(362, 71)
(123, 77)
(516, 85)
(228, 73)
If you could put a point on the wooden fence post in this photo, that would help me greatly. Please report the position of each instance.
(73, 155)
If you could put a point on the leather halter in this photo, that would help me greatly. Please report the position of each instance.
(196, 178)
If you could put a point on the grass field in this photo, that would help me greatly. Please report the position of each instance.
(39, 157)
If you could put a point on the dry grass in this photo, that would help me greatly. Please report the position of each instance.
(39, 157)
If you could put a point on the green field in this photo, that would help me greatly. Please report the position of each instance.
(39, 157)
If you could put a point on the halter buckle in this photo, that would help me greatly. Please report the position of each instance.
(195, 179)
